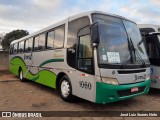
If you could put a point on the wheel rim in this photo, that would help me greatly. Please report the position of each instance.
(21, 75)
(65, 88)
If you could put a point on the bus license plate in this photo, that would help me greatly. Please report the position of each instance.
(135, 89)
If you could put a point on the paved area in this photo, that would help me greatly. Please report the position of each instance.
(30, 96)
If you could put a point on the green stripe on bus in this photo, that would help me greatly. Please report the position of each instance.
(51, 60)
(44, 76)
(35, 78)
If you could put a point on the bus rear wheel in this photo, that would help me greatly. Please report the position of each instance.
(66, 89)
(22, 79)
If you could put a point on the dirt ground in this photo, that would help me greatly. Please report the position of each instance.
(30, 96)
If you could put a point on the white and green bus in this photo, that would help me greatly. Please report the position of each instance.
(151, 34)
(92, 55)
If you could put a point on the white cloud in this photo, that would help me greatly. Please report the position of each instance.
(34, 15)
(47, 3)
(155, 2)
(142, 13)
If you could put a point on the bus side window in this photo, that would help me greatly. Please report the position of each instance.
(59, 37)
(20, 47)
(11, 49)
(72, 41)
(152, 47)
(85, 54)
(41, 42)
(26, 46)
(50, 40)
(15, 48)
(30, 44)
(36, 43)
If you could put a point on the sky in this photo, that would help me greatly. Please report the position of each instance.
(33, 15)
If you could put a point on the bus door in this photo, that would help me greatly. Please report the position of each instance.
(84, 73)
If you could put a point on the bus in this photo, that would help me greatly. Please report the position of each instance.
(91, 55)
(151, 34)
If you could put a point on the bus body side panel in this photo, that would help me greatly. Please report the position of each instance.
(155, 76)
(16, 62)
(44, 76)
(83, 85)
(52, 62)
(45, 66)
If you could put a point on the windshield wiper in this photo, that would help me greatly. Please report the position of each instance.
(132, 51)
(125, 60)
(137, 53)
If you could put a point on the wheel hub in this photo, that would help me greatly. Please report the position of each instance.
(65, 89)
(21, 75)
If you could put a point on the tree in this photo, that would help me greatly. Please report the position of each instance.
(11, 36)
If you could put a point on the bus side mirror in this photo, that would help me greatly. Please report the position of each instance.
(143, 34)
(95, 34)
(154, 33)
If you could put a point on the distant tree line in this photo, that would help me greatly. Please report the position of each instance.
(11, 36)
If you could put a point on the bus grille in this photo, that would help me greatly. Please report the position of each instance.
(128, 92)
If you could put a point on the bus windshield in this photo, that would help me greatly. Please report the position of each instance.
(114, 35)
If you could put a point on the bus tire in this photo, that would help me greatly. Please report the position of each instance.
(66, 89)
(22, 79)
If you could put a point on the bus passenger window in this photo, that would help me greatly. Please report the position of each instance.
(21, 47)
(11, 49)
(15, 48)
(50, 40)
(26, 46)
(36, 43)
(59, 37)
(41, 42)
(30, 44)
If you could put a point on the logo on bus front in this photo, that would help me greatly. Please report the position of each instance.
(140, 77)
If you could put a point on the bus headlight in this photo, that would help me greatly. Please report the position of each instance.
(112, 81)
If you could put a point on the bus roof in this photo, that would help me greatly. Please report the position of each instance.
(66, 20)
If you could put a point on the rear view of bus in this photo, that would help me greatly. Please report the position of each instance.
(151, 34)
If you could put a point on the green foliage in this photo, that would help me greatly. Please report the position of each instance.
(11, 36)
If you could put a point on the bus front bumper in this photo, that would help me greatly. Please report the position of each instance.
(106, 93)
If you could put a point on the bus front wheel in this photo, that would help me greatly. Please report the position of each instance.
(66, 89)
